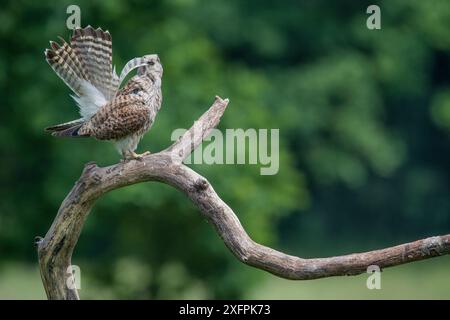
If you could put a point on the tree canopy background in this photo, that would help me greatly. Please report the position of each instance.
(364, 119)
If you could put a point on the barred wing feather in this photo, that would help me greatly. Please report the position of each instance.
(94, 48)
(86, 67)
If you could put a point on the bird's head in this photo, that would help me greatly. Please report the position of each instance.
(152, 66)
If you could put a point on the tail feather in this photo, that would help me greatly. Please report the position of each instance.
(68, 129)
(63, 126)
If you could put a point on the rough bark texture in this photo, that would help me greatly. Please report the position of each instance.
(55, 250)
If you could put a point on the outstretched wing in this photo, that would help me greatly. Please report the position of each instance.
(86, 67)
(94, 49)
(67, 65)
(88, 57)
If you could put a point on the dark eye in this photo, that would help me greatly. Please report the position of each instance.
(135, 91)
(151, 63)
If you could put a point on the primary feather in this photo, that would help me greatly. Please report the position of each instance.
(86, 67)
(94, 47)
(130, 66)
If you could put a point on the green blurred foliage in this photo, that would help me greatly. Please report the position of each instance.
(364, 119)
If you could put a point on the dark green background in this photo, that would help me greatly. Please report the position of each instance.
(364, 119)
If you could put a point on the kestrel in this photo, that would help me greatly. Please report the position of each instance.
(107, 112)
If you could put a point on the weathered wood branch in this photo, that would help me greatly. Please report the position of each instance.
(55, 250)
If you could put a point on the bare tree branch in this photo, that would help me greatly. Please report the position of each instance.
(55, 250)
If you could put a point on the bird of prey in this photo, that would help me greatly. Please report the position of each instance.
(108, 112)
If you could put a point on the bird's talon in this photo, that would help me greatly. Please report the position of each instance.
(136, 156)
